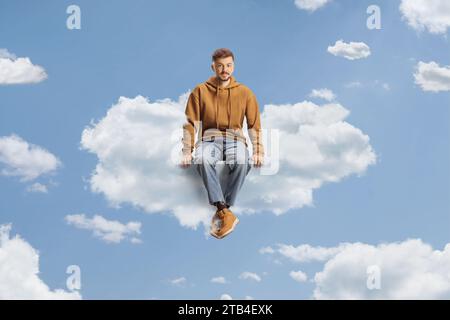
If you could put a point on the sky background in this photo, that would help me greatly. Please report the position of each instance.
(162, 49)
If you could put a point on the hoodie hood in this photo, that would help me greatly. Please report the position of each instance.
(213, 82)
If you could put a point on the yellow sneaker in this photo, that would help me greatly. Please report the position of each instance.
(224, 222)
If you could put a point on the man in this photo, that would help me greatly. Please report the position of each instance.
(216, 111)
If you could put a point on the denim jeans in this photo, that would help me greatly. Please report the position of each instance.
(236, 157)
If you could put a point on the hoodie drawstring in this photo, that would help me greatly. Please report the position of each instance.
(217, 107)
(229, 107)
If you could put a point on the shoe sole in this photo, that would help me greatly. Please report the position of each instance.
(214, 235)
(231, 229)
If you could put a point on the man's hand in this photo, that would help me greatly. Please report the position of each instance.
(258, 160)
(186, 161)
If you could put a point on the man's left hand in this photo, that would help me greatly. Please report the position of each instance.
(258, 160)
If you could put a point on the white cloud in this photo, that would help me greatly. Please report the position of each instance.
(225, 296)
(353, 84)
(350, 51)
(250, 276)
(325, 94)
(25, 160)
(178, 281)
(5, 54)
(431, 77)
(134, 144)
(316, 146)
(19, 271)
(307, 253)
(37, 187)
(109, 231)
(298, 276)
(431, 15)
(376, 84)
(311, 5)
(220, 280)
(135, 240)
(15, 70)
(136, 140)
(410, 269)
(268, 250)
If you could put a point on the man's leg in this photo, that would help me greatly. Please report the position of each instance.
(237, 159)
(206, 156)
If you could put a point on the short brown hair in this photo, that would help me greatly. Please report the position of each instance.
(222, 53)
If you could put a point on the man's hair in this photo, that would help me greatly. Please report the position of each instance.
(222, 53)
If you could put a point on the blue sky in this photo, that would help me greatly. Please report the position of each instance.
(161, 49)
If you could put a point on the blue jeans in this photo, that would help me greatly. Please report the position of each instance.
(236, 157)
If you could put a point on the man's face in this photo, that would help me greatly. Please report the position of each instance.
(223, 67)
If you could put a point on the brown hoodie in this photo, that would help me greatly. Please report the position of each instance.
(211, 110)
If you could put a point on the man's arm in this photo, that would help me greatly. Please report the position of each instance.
(192, 113)
(254, 125)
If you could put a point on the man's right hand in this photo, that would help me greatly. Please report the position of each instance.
(186, 161)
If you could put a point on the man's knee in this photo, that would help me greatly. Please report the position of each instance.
(239, 167)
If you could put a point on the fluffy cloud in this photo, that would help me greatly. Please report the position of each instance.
(220, 280)
(5, 54)
(15, 70)
(266, 250)
(310, 5)
(316, 146)
(226, 296)
(431, 15)
(350, 51)
(108, 230)
(431, 77)
(138, 141)
(298, 276)
(375, 84)
(19, 271)
(410, 269)
(353, 84)
(307, 253)
(250, 276)
(178, 281)
(37, 187)
(325, 94)
(25, 160)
